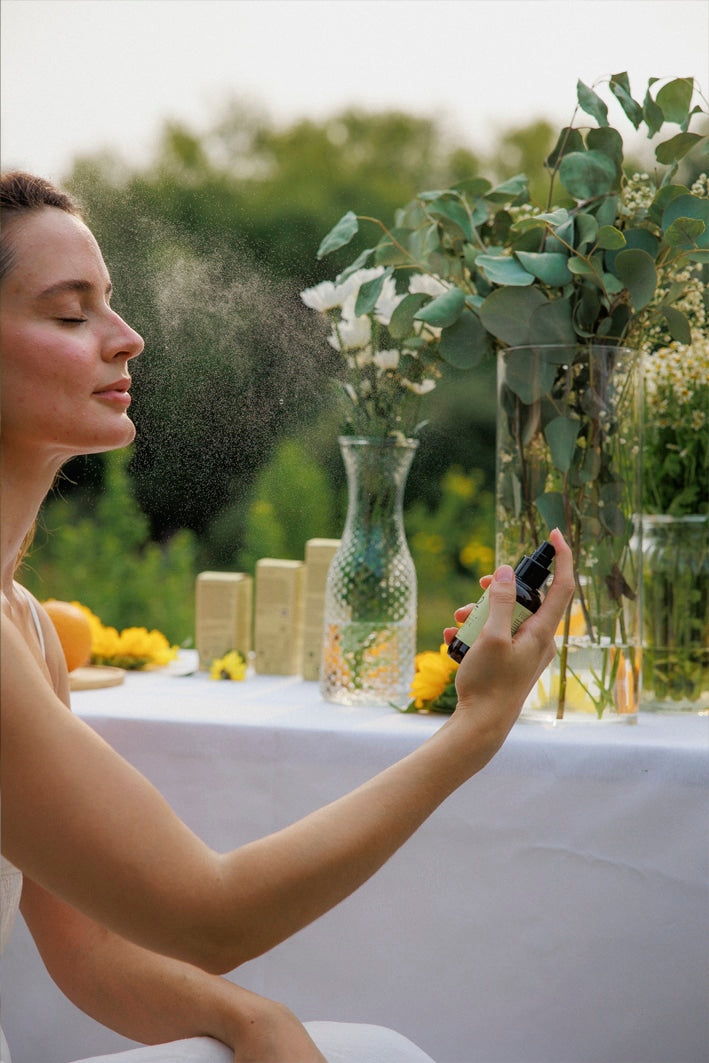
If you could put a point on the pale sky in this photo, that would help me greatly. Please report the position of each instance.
(79, 76)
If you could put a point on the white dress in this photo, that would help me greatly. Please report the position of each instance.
(339, 1042)
(10, 891)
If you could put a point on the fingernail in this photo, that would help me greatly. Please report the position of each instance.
(505, 574)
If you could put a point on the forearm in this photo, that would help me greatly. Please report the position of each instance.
(311, 866)
(139, 994)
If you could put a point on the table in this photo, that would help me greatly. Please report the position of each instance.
(554, 910)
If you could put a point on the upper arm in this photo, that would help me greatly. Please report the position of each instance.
(84, 824)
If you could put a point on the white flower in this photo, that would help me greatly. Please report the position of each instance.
(387, 302)
(419, 389)
(323, 297)
(361, 359)
(427, 284)
(351, 334)
(386, 360)
(354, 282)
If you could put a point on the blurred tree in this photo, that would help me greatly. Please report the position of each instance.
(209, 248)
(95, 547)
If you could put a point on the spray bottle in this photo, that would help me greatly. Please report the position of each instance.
(530, 574)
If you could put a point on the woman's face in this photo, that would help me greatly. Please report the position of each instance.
(65, 352)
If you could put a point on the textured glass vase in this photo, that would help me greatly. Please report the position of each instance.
(675, 613)
(369, 638)
(569, 456)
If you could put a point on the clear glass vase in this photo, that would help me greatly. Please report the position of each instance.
(369, 639)
(569, 456)
(675, 613)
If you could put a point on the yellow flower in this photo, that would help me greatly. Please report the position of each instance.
(434, 672)
(231, 666)
(133, 648)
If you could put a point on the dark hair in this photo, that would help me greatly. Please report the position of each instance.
(21, 193)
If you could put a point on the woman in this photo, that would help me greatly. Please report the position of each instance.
(135, 918)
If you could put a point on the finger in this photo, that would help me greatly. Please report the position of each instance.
(561, 591)
(501, 599)
(462, 613)
(485, 582)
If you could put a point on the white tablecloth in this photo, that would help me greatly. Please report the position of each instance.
(554, 910)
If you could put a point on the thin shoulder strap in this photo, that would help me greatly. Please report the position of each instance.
(37, 623)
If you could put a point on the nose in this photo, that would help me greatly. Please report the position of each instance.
(124, 341)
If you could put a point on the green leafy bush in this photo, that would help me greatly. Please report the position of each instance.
(100, 553)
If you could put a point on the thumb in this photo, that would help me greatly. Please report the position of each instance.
(501, 598)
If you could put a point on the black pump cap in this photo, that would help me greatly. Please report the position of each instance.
(534, 570)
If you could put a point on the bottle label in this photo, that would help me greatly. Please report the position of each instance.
(472, 627)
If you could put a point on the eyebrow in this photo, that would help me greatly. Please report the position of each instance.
(70, 286)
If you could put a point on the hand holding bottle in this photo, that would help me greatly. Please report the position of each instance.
(500, 668)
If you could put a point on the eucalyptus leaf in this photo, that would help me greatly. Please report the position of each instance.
(561, 435)
(612, 284)
(562, 237)
(464, 343)
(444, 310)
(369, 293)
(688, 206)
(610, 238)
(587, 174)
(402, 320)
(549, 267)
(620, 87)
(607, 211)
(581, 267)
(473, 187)
(511, 189)
(552, 510)
(613, 519)
(676, 147)
(586, 311)
(527, 377)
(591, 103)
(674, 99)
(553, 324)
(506, 313)
(677, 324)
(637, 271)
(340, 235)
(452, 213)
(683, 232)
(642, 239)
(422, 242)
(652, 114)
(590, 466)
(358, 263)
(610, 142)
(586, 230)
(569, 139)
(503, 269)
(391, 249)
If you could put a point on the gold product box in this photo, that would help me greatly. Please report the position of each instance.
(318, 555)
(278, 616)
(223, 608)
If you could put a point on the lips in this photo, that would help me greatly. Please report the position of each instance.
(116, 392)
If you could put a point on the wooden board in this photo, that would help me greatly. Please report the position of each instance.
(95, 676)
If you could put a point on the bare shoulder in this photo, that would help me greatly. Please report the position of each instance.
(54, 655)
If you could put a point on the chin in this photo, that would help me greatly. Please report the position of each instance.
(121, 436)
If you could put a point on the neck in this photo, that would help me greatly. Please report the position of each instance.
(23, 486)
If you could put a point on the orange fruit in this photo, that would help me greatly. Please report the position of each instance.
(74, 631)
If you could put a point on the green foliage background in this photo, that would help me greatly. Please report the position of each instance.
(236, 453)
